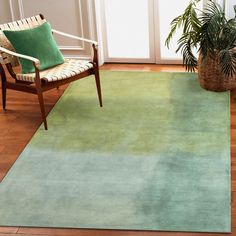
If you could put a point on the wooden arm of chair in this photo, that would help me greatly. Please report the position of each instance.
(33, 59)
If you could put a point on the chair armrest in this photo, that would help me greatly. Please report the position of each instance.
(75, 37)
(33, 59)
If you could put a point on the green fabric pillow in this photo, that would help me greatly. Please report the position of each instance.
(37, 42)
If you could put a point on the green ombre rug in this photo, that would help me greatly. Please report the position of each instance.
(155, 157)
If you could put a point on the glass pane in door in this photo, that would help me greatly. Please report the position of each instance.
(127, 28)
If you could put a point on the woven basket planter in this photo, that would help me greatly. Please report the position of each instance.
(211, 78)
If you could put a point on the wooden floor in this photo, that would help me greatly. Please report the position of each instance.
(20, 122)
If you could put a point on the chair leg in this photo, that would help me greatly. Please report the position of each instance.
(4, 87)
(98, 85)
(42, 108)
(41, 103)
(4, 94)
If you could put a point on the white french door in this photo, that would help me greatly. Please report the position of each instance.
(135, 30)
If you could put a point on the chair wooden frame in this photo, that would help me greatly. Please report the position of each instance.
(40, 86)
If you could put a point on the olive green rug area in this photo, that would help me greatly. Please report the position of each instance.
(155, 157)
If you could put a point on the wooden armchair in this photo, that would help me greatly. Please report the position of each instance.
(41, 81)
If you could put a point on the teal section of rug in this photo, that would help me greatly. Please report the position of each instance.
(155, 157)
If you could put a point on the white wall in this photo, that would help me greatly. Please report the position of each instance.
(5, 11)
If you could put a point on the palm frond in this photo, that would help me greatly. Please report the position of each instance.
(174, 25)
(228, 61)
(212, 20)
(185, 46)
(188, 20)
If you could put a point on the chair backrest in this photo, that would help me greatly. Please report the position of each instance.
(27, 23)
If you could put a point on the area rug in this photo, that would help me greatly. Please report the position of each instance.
(155, 157)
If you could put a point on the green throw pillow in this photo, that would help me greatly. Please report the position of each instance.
(37, 42)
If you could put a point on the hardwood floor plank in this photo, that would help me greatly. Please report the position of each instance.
(15, 234)
(8, 230)
(85, 232)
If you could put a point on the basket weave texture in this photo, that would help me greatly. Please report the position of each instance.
(211, 78)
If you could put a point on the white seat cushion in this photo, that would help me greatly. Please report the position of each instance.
(69, 68)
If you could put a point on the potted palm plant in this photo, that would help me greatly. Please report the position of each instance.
(214, 36)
